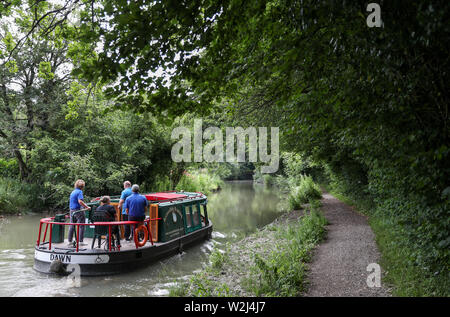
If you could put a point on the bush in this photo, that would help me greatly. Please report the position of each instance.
(16, 196)
(219, 258)
(306, 192)
(295, 165)
(283, 272)
(200, 283)
(199, 181)
(9, 168)
(162, 184)
(268, 180)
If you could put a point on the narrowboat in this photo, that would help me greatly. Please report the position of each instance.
(174, 221)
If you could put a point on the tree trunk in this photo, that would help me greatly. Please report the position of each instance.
(23, 168)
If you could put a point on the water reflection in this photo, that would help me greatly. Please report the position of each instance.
(237, 210)
(242, 207)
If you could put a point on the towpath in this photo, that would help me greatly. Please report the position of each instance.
(339, 265)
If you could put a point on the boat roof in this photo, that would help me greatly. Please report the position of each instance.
(164, 197)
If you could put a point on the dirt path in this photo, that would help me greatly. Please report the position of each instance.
(339, 265)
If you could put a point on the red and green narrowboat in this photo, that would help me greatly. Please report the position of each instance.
(174, 221)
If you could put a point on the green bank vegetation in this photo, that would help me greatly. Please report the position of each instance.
(399, 257)
(200, 180)
(84, 93)
(270, 262)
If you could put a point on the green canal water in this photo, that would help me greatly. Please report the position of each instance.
(236, 211)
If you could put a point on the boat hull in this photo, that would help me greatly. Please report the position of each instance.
(99, 262)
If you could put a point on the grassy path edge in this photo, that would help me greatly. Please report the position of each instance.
(270, 262)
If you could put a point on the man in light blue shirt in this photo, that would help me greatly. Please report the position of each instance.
(76, 202)
(124, 195)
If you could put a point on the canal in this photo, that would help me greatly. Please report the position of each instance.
(236, 211)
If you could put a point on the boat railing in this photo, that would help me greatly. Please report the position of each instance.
(49, 222)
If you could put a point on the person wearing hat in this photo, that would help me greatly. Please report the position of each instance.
(135, 205)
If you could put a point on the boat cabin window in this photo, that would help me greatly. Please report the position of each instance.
(188, 216)
(195, 215)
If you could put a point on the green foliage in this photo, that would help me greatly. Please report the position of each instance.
(283, 272)
(126, 147)
(9, 41)
(294, 165)
(239, 171)
(34, 73)
(280, 277)
(45, 71)
(200, 284)
(402, 264)
(201, 181)
(306, 192)
(163, 183)
(292, 180)
(202, 287)
(75, 93)
(11, 66)
(8, 168)
(268, 179)
(370, 103)
(402, 261)
(407, 223)
(219, 258)
(17, 197)
(178, 289)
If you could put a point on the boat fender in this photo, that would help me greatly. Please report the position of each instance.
(57, 267)
(136, 234)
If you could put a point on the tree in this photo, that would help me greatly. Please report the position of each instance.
(371, 102)
(33, 78)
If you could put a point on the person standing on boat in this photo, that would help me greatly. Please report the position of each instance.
(76, 201)
(107, 211)
(124, 195)
(136, 204)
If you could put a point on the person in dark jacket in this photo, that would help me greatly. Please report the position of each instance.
(109, 213)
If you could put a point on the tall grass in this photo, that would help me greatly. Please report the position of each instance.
(305, 192)
(200, 284)
(274, 268)
(283, 272)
